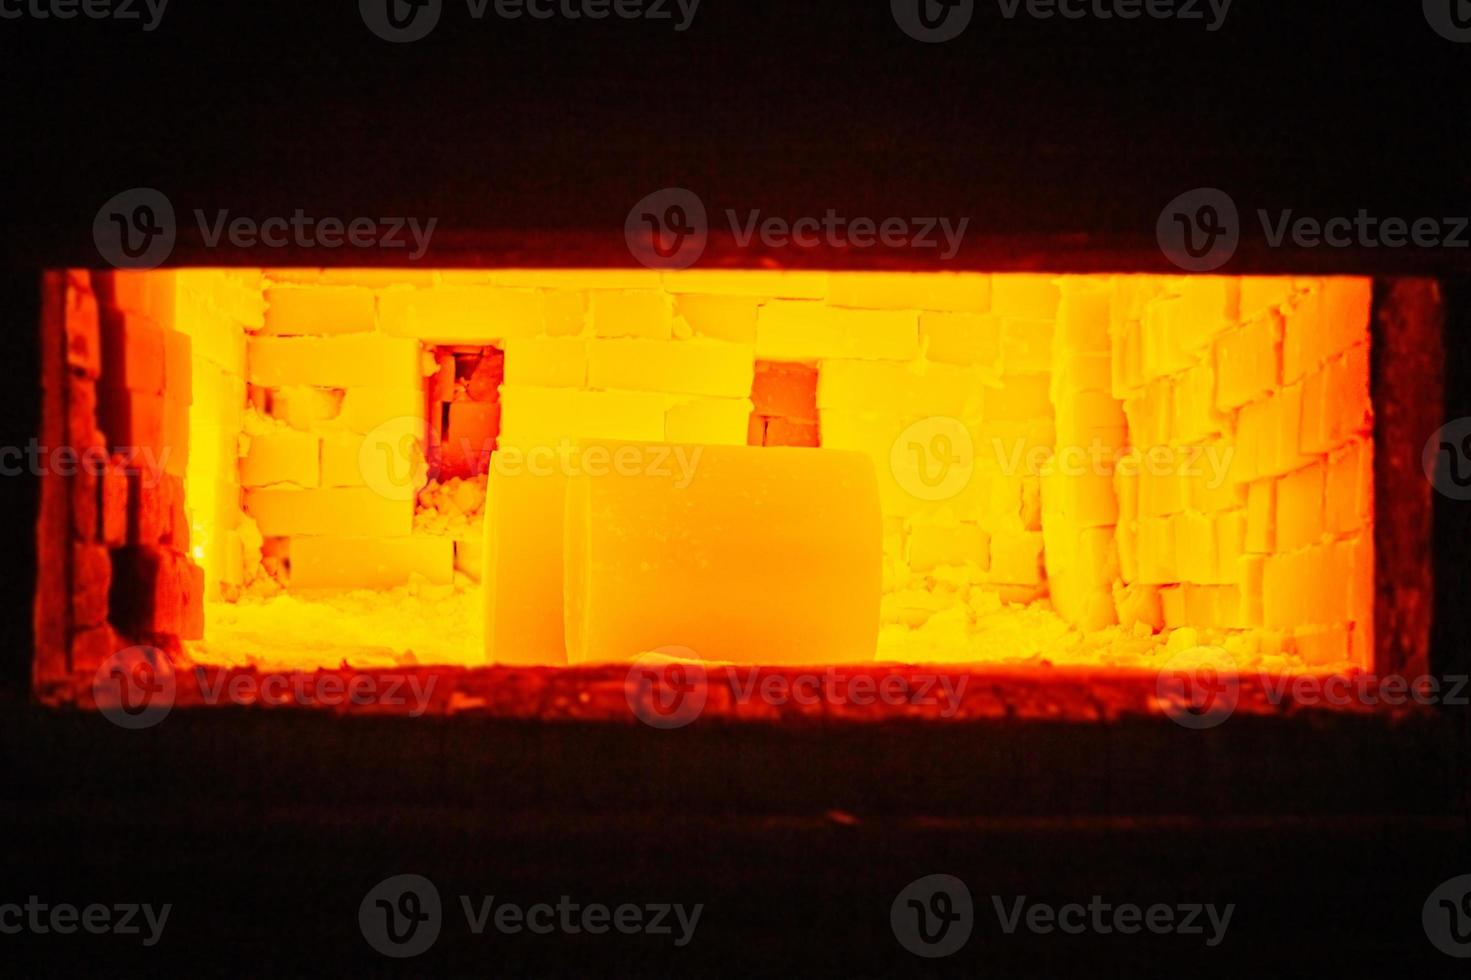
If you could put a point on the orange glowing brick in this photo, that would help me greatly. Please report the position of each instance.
(469, 438)
(786, 432)
(1300, 508)
(1349, 489)
(523, 565)
(1247, 362)
(787, 390)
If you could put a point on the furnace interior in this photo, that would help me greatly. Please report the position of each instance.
(1075, 469)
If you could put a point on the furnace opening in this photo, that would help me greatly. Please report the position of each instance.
(307, 468)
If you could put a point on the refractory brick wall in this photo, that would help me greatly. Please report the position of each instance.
(1144, 450)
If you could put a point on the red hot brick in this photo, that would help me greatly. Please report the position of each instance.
(91, 647)
(83, 337)
(785, 390)
(91, 579)
(115, 495)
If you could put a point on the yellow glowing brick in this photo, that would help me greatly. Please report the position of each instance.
(351, 360)
(1127, 360)
(929, 545)
(1260, 294)
(1206, 474)
(1249, 571)
(1195, 417)
(1138, 604)
(708, 421)
(891, 335)
(340, 461)
(364, 409)
(1077, 499)
(452, 314)
(564, 312)
(1300, 508)
(1230, 534)
(962, 338)
(1331, 316)
(1287, 417)
(370, 278)
(550, 362)
(690, 367)
(729, 318)
(523, 566)
(875, 437)
(547, 415)
(347, 511)
(1150, 414)
(754, 282)
(1018, 398)
(1162, 338)
(1083, 373)
(1126, 484)
(1195, 538)
(1028, 295)
(1217, 606)
(1083, 318)
(635, 313)
(369, 563)
(965, 292)
(1086, 419)
(1172, 607)
(1209, 305)
(1157, 555)
(797, 331)
(283, 456)
(1126, 538)
(1161, 490)
(319, 310)
(1016, 558)
(1261, 516)
(1349, 489)
(1026, 345)
(908, 390)
(1247, 362)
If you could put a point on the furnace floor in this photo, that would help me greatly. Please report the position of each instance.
(442, 625)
